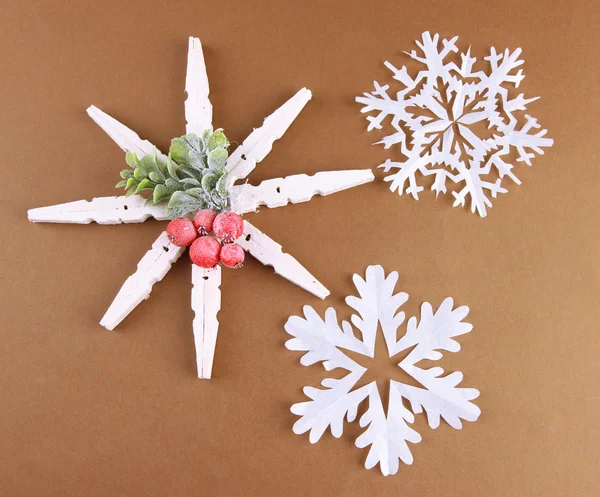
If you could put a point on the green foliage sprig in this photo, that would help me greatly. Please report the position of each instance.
(193, 178)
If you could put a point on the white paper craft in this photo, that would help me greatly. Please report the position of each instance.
(386, 433)
(206, 295)
(432, 117)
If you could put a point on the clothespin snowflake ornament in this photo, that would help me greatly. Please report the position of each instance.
(437, 115)
(204, 177)
(387, 431)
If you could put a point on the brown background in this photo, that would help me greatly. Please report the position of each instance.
(86, 412)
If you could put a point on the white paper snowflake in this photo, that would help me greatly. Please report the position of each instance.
(434, 114)
(244, 198)
(386, 434)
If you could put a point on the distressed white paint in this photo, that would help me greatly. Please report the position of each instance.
(260, 142)
(298, 188)
(206, 296)
(152, 268)
(102, 210)
(206, 303)
(198, 109)
(269, 252)
(127, 139)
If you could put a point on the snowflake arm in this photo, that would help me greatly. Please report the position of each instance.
(269, 253)
(323, 339)
(102, 210)
(441, 398)
(407, 172)
(375, 305)
(380, 101)
(502, 67)
(152, 268)
(435, 332)
(260, 142)
(524, 138)
(388, 435)
(198, 109)
(206, 292)
(295, 189)
(328, 407)
(106, 210)
(128, 140)
(475, 187)
(206, 303)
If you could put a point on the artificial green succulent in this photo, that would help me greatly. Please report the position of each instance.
(193, 178)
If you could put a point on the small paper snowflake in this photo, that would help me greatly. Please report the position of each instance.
(323, 341)
(435, 116)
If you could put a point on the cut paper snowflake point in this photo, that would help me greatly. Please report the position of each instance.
(206, 294)
(437, 116)
(387, 432)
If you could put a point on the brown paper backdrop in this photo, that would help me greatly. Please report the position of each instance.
(86, 412)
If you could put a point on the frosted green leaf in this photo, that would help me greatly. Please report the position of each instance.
(216, 140)
(206, 136)
(209, 182)
(161, 192)
(181, 204)
(189, 182)
(145, 184)
(187, 150)
(197, 193)
(221, 186)
(131, 182)
(217, 159)
(131, 159)
(162, 168)
(156, 177)
(173, 185)
(178, 151)
(218, 202)
(191, 172)
(193, 176)
(172, 168)
(147, 164)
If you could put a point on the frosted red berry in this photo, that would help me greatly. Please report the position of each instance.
(181, 232)
(228, 226)
(232, 255)
(205, 251)
(203, 221)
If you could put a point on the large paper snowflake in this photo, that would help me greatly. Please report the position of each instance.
(435, 117)
(324, 341)
(244, 198)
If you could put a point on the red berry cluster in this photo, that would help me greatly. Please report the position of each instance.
(207, 250)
